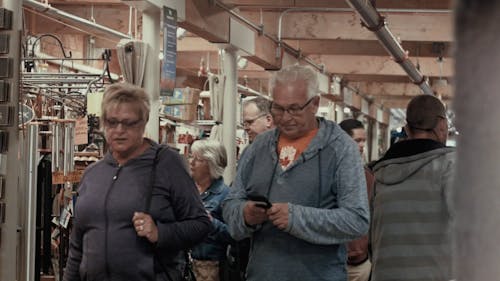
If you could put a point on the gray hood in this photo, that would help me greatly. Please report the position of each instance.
(396, 170)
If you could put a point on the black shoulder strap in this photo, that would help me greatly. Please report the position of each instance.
(153, 176)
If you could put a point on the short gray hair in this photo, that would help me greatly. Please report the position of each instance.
(293, 73)
(215, 155)
(119, 93)
(263, 104)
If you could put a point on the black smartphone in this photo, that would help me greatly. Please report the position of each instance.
(261, 201)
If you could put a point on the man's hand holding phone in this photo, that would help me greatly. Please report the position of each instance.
(255, 210)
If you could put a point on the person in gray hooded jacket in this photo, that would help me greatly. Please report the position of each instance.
(412, 212)
(131, 223)
(311, 172)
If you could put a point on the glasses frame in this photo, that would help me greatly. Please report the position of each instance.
(126, 124)
(196, 159)
(249, 122)
(292, 110)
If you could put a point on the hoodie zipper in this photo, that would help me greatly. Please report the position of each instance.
(106, 221)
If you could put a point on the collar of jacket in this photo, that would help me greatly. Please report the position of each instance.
(148, 155)
(216, 187)
(324, 136)
(411, 147)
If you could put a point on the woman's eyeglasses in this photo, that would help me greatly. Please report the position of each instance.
(126, 124)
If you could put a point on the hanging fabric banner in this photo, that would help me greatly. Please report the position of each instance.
(167, 81)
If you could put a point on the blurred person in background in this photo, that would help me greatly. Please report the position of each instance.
(358, 262)
(256, 117)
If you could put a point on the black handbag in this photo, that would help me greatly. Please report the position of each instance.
(187, 274)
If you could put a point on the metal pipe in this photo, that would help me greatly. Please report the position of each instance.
(242, 88)
(376, 23)
(69, 149)
(40, 7)
(30, 226)
(57, 80)
(54, 74)
(56, 146)
(260, 29)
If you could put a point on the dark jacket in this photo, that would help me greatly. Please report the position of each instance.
(357, 250)
(215, 245)
(104, 244)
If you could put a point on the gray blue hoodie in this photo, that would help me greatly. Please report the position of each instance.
(326, 191)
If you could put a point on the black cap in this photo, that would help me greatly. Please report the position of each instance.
(424, 111)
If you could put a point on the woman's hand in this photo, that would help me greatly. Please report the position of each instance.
(145, 226)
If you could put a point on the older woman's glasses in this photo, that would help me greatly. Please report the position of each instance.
(195, 158)
(278, 110)
(126, 124)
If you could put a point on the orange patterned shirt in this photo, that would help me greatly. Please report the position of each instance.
(289, 150)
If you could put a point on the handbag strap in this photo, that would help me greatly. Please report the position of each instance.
(187, 253)
(153, 177)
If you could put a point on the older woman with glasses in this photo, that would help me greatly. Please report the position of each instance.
(207, 163)
(131, 223)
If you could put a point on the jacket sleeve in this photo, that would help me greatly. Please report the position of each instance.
(72, 269)
(350, 219)
(232, 206)
(220, 232)
(192, 223)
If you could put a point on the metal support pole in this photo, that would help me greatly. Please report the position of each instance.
(30, 222)
(69, 149)
(10, 252)
(56, 146)
(151, 36)
(229, 111)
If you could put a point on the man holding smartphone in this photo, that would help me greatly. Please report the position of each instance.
(311, 173)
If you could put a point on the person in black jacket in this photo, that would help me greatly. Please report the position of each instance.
(129, 224)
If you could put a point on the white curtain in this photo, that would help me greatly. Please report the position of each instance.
(132, 58)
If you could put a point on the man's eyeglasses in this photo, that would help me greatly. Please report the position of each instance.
(249, 122)
(126, 124)
(278, 110)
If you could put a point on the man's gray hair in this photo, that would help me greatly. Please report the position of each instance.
(263, 104)
(294, 73)
(215, 155)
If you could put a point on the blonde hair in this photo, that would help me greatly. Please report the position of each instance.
(119, 93)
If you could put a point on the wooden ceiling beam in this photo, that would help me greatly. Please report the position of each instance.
(431, 27)
(394, 4)
(380, 65)
(391, 90)
(212, 23)
(367, 47)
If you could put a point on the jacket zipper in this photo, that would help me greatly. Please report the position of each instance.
(106, 219)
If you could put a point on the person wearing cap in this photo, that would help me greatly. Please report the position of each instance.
(411, 203)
